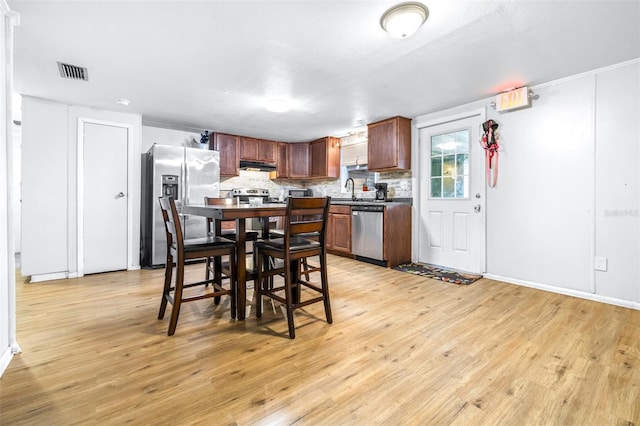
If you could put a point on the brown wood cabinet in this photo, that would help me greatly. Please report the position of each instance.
(338, 236)
(282, 163)
(249, 148)
(396, 238)
(267, 151)
(397, 234)
(257, 150)
(299, 160)
(324, 157)
(228, 146)
(389, 146)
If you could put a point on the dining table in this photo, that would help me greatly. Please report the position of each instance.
(239, 213)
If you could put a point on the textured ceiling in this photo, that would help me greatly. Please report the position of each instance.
(212, 64)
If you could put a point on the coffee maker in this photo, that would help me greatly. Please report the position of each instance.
(381, 191)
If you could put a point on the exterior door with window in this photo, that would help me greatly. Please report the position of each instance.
(452, 221)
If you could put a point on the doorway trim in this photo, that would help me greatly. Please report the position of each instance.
(431, 120)
(80, 190)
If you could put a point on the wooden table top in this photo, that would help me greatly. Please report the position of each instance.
(236, 211)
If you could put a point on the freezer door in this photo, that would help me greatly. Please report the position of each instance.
(202, 179)
(202, 175)
(166, 161)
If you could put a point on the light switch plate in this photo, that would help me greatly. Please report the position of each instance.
(600, 263)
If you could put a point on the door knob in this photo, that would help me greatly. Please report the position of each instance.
(120, 194)
(477, 208)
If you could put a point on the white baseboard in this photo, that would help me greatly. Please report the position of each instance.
(49, 277)
(5, 359)
(566, 291)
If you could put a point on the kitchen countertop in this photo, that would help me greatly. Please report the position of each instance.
(370, 201)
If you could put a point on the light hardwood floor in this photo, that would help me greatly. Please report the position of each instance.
(403, 350)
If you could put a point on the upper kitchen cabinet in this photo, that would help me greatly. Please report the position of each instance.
(299, 160)
(282, 165)
(389, 146)
(228, 146)
(249, 148)
(324, 157)
(268, 151)
(257, 150)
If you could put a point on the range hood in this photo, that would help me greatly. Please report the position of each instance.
(257, 166)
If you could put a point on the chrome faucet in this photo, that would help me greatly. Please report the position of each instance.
(353, 188)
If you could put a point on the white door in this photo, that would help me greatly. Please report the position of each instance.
(105, 198)
(452, 190)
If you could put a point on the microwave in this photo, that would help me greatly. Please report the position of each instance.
(300, 192)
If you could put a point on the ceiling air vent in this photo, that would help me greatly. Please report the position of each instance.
(73, 72)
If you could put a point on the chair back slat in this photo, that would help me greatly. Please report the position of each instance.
(306, 215)
(172, 224)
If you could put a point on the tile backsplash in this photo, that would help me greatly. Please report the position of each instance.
(398, 185)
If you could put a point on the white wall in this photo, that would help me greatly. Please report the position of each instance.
(45, 165)
(49, 186)
(540, 215)
(8, 343)
(617, 174)
(164, 136)
(569, 187)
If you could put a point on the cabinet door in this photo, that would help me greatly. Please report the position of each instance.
(325, 157)
(342, 233)
(328, 238)
(282, 162)
(227, 145)
(389, 146)
(318, 150)
(267, 151)
(299, 160)
(249, 148)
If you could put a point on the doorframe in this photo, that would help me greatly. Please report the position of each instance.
(432, 120)
(80, 189)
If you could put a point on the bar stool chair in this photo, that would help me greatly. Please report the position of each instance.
(304, 216)
(180, 250)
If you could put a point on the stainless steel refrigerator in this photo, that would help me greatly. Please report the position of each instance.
(186, 174)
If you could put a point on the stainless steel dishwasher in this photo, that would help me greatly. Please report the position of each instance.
(367, 230)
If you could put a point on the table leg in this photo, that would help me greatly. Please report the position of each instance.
(241, 266)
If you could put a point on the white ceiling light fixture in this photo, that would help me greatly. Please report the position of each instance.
(404, 19)
(278, 105)
(124, 102)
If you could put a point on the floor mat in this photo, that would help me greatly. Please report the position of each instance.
(437, 273)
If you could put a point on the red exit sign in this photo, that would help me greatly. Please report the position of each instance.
(512, 99)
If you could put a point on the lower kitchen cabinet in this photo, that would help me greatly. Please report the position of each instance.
(397, 234)
(396, 238)
(338, 236)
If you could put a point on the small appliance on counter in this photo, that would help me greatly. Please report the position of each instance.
(381, 192)
(301, 192)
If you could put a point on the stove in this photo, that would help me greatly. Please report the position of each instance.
(245, 193)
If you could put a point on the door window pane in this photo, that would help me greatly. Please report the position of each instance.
(436, 187)
(450, 165)
(448, 188)
(436, 166)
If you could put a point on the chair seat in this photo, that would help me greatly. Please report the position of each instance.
(295, 243)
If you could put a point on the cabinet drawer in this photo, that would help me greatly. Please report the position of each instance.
(340, 209)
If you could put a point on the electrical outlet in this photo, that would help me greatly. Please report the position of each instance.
(404, 185)
(600, 264)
